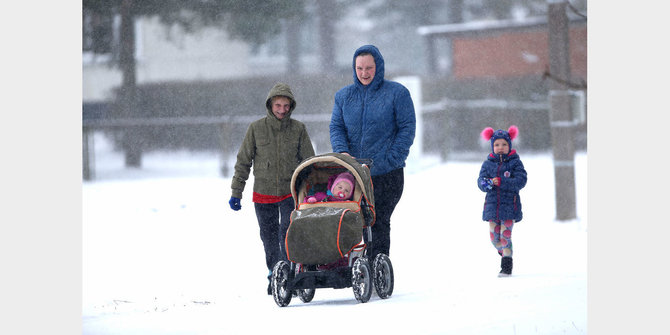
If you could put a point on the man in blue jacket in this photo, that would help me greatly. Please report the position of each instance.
(374, 118)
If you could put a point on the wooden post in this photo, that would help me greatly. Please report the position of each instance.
(86, 150)
(560, 104)
(431, 57)
(226, 141)
(447, 117)
(131, 136)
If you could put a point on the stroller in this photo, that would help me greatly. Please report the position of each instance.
(325, 242)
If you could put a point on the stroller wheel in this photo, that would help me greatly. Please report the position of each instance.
(361, 279)
(306, 295)
(280, 279)
(383, 276)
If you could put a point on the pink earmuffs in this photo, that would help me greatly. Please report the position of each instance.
(487, 133)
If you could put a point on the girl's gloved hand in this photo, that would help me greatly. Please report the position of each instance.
(486, 184)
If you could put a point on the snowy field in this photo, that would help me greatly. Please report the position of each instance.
(164, 254)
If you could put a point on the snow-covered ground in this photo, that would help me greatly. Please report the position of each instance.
(164, 254)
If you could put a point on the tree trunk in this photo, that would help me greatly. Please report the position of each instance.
(292, 46)
(326, 13)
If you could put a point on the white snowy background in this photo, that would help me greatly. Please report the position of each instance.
(164, 254)
(50, 282)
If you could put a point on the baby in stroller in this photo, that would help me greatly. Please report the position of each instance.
(340, 188)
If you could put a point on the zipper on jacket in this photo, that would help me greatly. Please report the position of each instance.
(277, 151)
(363, 122)
(498, 189)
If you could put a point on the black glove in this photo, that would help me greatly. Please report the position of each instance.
(235, 204)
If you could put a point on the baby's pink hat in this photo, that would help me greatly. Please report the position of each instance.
(345, 177)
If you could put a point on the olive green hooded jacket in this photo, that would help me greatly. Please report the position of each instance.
(274, 147)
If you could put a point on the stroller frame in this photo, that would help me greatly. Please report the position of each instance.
(295, 279)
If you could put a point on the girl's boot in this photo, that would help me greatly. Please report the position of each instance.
(505, 267)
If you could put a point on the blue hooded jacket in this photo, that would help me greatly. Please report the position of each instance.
(374, 121)
(502, 202)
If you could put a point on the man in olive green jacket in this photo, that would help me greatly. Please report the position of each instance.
(274, 145)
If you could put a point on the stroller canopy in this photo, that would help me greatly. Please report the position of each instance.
(334, 162)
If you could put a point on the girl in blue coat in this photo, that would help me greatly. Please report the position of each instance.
(502, 176)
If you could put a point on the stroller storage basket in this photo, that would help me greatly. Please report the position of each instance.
(320, 235)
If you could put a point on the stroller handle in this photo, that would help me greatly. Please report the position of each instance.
(365, 161)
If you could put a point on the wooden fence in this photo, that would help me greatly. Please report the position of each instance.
(224, 123)
(449, 126)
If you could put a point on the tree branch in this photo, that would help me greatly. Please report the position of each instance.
(579, 86)
(574, 10)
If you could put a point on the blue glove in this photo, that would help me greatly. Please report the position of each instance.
(235, 204)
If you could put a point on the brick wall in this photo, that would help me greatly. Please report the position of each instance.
(513, 54)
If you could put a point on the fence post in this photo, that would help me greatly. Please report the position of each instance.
(448, 115)
(86, 161)
(226, 141)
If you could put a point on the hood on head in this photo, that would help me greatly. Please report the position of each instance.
(280, 89)
(379, 64)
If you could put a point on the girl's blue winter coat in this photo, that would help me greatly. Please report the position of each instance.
(376, 121)
(502, 202)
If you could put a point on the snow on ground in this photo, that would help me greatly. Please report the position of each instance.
(164, 254)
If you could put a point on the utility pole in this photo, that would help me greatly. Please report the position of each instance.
(561, 113)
